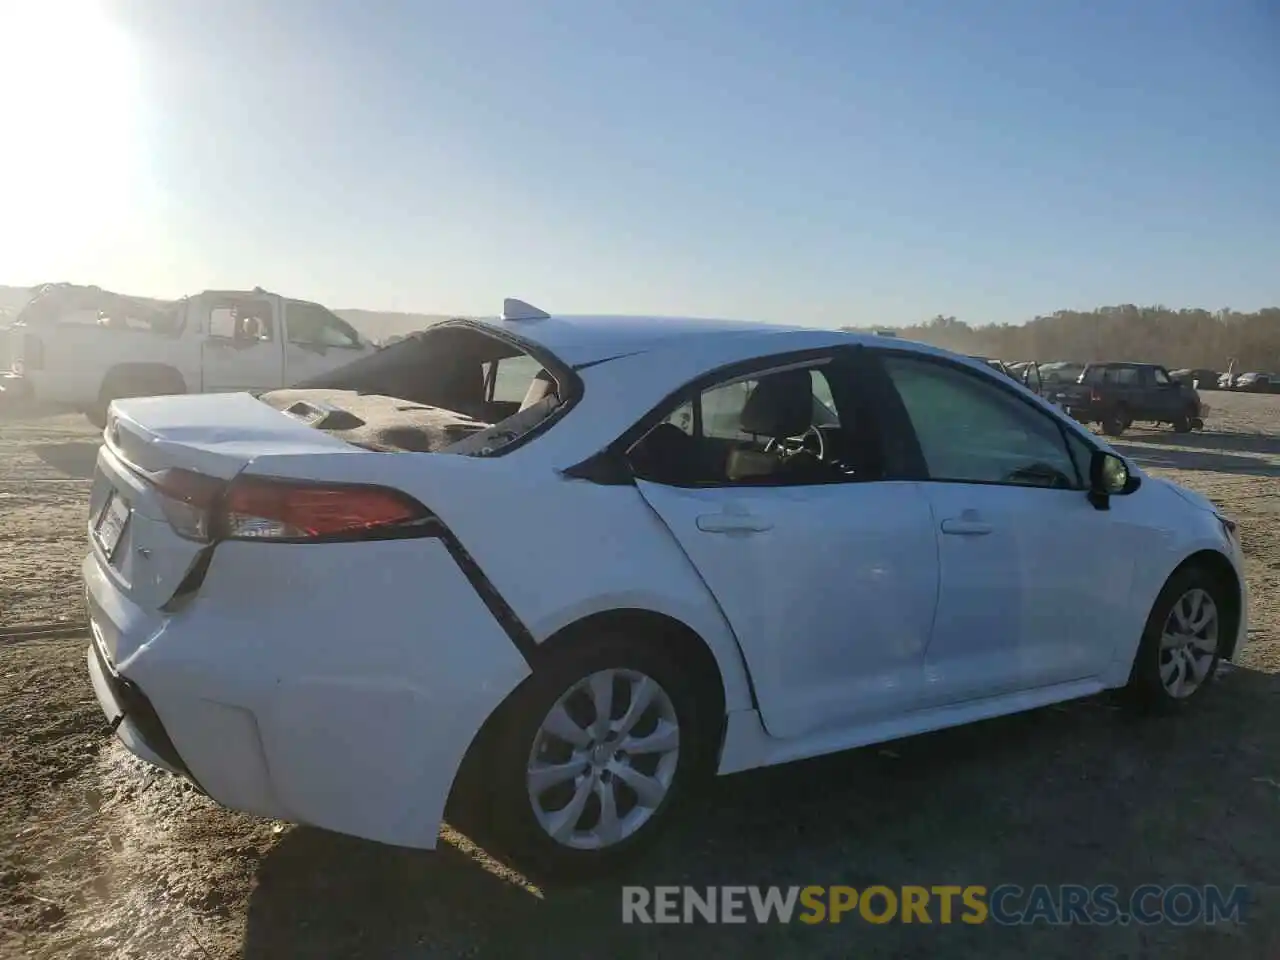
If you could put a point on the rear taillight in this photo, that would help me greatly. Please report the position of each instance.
(260, 509)
(254, 508)
(189, 501)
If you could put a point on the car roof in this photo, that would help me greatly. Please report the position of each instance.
(578, 339)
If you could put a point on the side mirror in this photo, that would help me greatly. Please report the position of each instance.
(1109, 477)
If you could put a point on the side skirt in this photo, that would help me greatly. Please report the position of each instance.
(747, 745)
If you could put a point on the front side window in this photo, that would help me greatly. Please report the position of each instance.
(971, 430)
(312, 325)
(242, 321)
(1160, 376)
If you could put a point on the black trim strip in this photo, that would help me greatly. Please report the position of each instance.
(494, 602)
(137, 709)
(511, 624)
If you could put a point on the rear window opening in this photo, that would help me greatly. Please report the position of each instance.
(456, 388)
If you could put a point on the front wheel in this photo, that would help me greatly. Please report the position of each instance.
(590, 754)
(1182, 425)
(1114, 424)
(1181, 645)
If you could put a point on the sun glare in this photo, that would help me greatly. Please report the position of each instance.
(67, 118)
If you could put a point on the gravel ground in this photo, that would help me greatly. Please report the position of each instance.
(99, 857)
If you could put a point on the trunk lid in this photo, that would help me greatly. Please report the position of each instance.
(129, 532)
(213, 434)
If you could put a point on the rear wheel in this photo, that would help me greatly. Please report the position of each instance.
(123, 382)
(1182, 425)
(1115, 422)
(588, 756)
(1181, 645)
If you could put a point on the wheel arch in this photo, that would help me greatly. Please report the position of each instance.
(131, 370)
(673, 634)
(1222, 569)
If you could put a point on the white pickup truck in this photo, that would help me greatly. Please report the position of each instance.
(82, 347)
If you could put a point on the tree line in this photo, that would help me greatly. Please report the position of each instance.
(1175, 338)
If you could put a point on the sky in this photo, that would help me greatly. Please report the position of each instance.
(824, 162)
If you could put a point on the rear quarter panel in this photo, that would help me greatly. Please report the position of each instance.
(556, 549)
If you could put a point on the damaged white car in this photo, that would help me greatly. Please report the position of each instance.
(556, 568)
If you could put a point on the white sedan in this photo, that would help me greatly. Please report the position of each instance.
(555, 568)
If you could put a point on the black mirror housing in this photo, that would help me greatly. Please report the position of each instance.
(1109, 476)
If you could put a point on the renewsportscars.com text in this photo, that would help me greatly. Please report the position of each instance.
(1006, 904)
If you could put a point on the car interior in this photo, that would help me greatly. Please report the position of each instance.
(783, 434)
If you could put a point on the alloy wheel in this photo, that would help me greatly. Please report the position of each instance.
(603, 759)
(1188, 643)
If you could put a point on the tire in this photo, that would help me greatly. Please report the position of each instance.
(145, 382)
(1115, 423)
(1182, 425)
(519, 742)
(1154, 685)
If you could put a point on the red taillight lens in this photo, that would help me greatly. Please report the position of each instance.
(259, 509)
(188, 499)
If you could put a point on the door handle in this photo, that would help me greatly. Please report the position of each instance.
(732, 523)
(966, 527)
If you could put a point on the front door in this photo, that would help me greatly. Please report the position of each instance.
(317, 341)
(241, 346)
(1030, 595)
(827, 576)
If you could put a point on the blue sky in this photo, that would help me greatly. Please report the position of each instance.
(809, 161)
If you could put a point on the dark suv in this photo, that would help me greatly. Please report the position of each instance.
(1116, 395)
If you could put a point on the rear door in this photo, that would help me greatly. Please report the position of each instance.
(240, 345)
(1032, 584)
(827, 574)
(317, 341)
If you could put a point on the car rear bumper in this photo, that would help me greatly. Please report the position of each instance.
(315, 684)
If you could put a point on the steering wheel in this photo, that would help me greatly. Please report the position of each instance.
(808, 440)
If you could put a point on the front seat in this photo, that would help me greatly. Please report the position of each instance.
(780, 406)
(542, 386)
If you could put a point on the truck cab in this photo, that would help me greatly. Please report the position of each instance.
(1116, 395)
(82, 347)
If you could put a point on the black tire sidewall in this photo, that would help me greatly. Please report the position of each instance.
(516, 827)
(1145, 685)
(1113, 424)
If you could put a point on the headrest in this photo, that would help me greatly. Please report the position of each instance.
(542, 386)
(781, 405)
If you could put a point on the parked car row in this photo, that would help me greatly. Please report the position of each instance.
(1251, 382)
(1116, 395)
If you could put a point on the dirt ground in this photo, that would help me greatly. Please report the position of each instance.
(99, 857)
